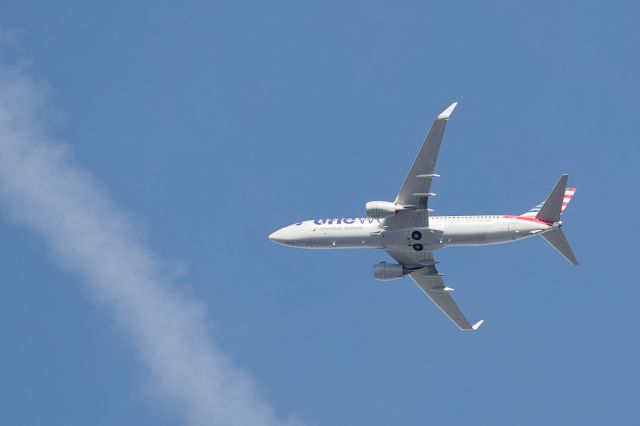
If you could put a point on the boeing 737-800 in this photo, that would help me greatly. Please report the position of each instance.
(410, 234)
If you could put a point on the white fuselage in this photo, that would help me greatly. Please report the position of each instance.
(442, 231)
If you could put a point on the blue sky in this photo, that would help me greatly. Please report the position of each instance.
(213, 124)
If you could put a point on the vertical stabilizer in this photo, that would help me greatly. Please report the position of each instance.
(558, 241)
(568, 195)
(552, 206)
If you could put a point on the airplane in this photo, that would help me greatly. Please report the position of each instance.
(410, 234)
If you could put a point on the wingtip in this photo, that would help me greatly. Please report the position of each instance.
(447, 112)
(477, 325)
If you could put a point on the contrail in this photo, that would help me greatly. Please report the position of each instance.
(42, 189)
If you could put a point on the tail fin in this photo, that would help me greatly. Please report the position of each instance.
(537, 210)
(558, 241)
(550, 211)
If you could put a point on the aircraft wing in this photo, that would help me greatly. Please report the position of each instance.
(430, 281)
(416, 189)
(413, 259)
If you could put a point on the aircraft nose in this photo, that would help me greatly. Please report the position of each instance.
(278, 236)
(274, 236)
(286, 236)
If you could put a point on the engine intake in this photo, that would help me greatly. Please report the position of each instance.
(382, 209)
(388, 271)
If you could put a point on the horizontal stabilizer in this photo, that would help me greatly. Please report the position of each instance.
(558, 241)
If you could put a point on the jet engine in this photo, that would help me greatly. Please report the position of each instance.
(388, 271)
(381, 209)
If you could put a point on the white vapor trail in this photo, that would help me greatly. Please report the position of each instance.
(89, 235)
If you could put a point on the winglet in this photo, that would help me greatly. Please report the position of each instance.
(477, 325)
(447, 112)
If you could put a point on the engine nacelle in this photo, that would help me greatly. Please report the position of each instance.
(381, 209)
(388, 271)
